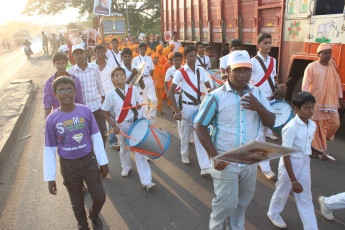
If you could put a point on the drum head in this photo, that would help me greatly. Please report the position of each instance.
(139, 132)
(283, 112)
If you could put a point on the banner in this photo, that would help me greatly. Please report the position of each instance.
(102, 7)
(91, 38)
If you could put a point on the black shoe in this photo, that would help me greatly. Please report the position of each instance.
(96, 223)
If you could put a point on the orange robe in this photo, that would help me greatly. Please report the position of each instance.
(327, 123)
(163, 60)
(159, 78)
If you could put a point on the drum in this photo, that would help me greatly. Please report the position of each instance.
(284, 114)
(147, 139)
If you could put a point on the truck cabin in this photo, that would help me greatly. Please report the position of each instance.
(324, 7)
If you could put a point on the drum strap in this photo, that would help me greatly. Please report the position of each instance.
(267, 73)
(202, 64)
(118, 64)
(126, 103)
(189, 82)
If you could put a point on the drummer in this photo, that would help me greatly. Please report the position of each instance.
(131, 70)
(191, 77)
(125, 118)
(235, 110)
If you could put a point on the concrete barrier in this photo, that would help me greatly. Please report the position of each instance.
(15, 103)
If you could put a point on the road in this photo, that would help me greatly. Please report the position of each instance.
(181, 200)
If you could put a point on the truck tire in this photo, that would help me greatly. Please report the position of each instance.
(297, 87)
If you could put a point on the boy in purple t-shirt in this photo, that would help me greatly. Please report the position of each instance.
(60, 61)
(72, 132)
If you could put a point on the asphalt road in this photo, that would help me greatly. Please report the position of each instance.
(181, 199)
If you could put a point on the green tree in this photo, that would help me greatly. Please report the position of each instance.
(144, 15)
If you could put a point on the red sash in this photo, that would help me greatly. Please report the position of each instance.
(186, 78)
(267, 74)
(176, 90)
(126, 103)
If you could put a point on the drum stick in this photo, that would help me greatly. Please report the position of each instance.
(321, 153)
(187, 120)
(129, 107)
(213, 77)
(126, 136)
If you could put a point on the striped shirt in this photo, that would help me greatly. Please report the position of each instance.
(91, 85)
(232, 126)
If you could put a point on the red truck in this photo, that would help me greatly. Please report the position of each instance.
(297, 28)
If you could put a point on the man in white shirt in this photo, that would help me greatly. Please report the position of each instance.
(92, 89)
(175, 42)
(201, 59)
(114, 55)
(105, 67)
(235, 44)
(149, 92)
(264, 43)
(190, 77)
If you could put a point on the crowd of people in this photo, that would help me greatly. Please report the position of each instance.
(88, 102)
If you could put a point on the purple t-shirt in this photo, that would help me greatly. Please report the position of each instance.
(49, 101)
(71, 132)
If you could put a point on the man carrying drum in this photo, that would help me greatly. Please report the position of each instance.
(235, 111)
(191, 77)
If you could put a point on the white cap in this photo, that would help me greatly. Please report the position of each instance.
(239, 58)
(77, 47)
(63, 48)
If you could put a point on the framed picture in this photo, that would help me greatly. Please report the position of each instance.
(102, 7)
(167, 36)
(91, 38)
(254, 152)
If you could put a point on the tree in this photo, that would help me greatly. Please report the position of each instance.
(144, 15)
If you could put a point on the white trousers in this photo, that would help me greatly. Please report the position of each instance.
(143, 167)
(178, 121)
(149, 95)
(265, 165)
(304, 202)
(336, 201)
(187, 112)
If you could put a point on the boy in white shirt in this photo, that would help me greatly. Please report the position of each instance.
(294, 170)
(124, 96)
(149, 92)
(114, 55)
(177, 44)
(234, 45)
(131, 70)
(201, 59)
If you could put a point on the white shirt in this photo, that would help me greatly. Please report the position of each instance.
(298, 135)
(105, 75)
(224, 62)
(178, 79)
(114, 103)
(258, 73)
(91, 85)
(177, 45)
(110, 55)
(129, 71)
(205, 61)
(148, 63)
(170, 75)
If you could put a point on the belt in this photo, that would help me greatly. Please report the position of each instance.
(80, 158)
(189, 103)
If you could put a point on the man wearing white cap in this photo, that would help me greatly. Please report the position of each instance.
(235, 111)
(64, 48)
(322, 80)
(92, 89)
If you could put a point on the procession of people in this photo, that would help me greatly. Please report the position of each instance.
(127, 80)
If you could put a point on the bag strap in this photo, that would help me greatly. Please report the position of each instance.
(118, 64)
(127, 102)
(268, 72)
(202, 64)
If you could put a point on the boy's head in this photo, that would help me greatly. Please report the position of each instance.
(208, 51)
(264, 43)
(142, 48)
(78, 53)
(64, 90)
(240, 68)
(174, 35)
(126, 56)
(177, 58)
(118, 75)
(99, 52)
(324, 51)
(60, 61)
(200, 48)
(114, 43)
(190, 53)
(155, 58)
(304, 105)
(235, 44)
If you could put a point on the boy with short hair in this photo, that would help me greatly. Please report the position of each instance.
(208, 53)
(201, 59)
(124, 96)
(114, 55)
(149, 92)
(234, 45)
(72, 132)
(50, 103)
(177, 44)
(294, 170)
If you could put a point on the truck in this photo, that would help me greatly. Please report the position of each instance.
(115, 24)
(20, 36)
(297, 28)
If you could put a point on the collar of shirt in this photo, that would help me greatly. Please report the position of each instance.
(89, 66)
(126, 89)
(230, 89)
(263, 59)
(106, 65)
(115, 52)
(300, 122)
(52, 78)
(186, 67)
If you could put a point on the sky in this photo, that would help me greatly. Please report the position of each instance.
(11, 11)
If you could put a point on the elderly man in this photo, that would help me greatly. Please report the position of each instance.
(322, 80)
